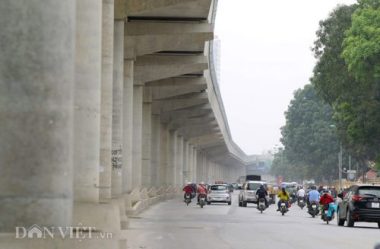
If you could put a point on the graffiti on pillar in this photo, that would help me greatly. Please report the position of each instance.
(116, 159)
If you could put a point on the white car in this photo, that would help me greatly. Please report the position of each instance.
(248, 192)
(219, 193)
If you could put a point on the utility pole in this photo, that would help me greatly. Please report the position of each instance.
(340, 158)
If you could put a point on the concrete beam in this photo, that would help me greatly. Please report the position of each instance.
(209, 144)
(120, 9)
(143, 45)
(198, 9)
(168, 28)
(179, 103)
(174, 81)
(198, 131)
(196, 126)
(205, 139)
(194, 111)
(186, 122)
(178, 86)
(137, 6)
(217, 150)
(156, 67)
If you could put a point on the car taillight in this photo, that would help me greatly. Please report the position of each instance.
(357, 198)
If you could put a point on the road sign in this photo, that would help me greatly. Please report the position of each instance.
(351, 174)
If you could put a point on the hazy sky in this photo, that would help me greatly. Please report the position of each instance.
(265, 57)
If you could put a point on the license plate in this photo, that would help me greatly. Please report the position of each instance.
(301, 201)
(283, 204)
(314, 206)
(326, 211)
(375, 205)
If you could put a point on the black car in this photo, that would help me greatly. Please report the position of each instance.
(360, 203)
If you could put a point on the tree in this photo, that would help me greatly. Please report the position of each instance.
(331, 76)
(361, 52)
(311, 144)
(362, 43)
(347, 83)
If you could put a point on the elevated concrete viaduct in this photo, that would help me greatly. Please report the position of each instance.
(106, 107)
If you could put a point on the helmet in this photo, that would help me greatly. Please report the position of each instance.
(313, 187)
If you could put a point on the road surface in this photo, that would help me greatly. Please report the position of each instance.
(173, 225)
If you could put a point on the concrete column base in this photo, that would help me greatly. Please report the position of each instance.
(105, 222)
(124, 222)
(96, 242)
(104, 216)
(139, 200)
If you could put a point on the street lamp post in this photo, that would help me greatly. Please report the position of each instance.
(340, 159)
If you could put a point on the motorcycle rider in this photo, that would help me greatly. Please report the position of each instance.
(262, 193)
(300, 194)
(188, 190)
(313, 196)
(284, 197)
(201, 189)
(327, 201)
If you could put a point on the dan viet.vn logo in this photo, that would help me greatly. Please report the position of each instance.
(78, 232)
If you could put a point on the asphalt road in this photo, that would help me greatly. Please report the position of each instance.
(173, 225)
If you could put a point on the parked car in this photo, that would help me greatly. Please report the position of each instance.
(248, 192)
(219, 193)
(360, 203)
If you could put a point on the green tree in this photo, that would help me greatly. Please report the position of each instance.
(362, 43)
(331, 77)
(311, 144)
(361, 52)
(347, 83)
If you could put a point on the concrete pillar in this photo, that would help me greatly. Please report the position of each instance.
(204, 168)
(199, 172)
(190, 162)
(186, 162)
(164, 155)
(195, 162)
(117, 108)
(179, 165)
(137, 135)
(106, 100)
(172, 159)
(36, 113)
(156, 178)
(127, 125)
(87, 100)
(146, 169)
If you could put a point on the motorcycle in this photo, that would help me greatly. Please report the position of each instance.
(261, 206)
(202, 200)
(187, 198)
(283, 208)
(301, 203)
(313, 209)
(325, 216)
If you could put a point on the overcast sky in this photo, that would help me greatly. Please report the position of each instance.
(265, 57)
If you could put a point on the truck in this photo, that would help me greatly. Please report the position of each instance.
(253, 177)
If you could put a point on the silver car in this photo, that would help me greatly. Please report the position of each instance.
(219, 193)
(248, 192)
